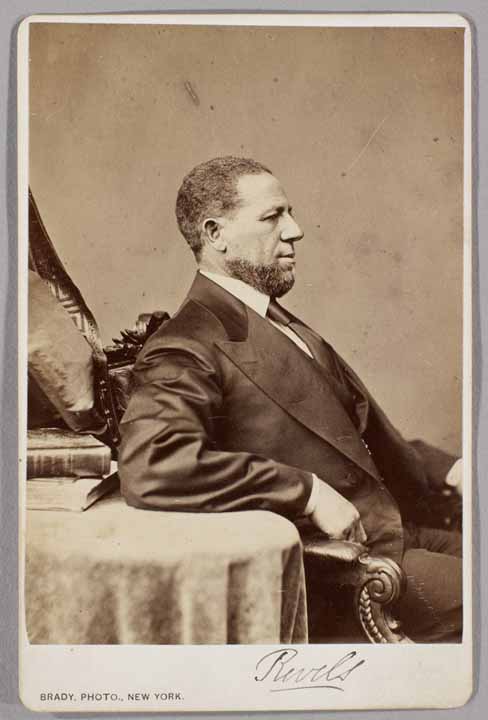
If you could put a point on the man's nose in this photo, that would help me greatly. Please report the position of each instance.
(291, 231)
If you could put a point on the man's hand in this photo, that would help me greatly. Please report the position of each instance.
(336, 516)
(454, 477)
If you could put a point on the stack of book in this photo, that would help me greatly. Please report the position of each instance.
(66, 470)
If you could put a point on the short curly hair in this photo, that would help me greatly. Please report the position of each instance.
(210, 189)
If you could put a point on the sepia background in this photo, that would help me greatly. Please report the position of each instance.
(363, 127)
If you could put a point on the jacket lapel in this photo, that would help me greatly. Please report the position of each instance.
(331, 363)
(295, 382)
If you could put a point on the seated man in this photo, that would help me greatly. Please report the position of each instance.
(238, 405)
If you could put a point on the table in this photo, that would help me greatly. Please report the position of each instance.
(115, 574)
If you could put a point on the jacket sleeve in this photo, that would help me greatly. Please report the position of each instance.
(422, 467)
(169, 456)
(436, 462)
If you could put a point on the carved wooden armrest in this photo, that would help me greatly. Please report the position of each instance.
(378, 583)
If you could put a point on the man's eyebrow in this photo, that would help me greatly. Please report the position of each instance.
(277, 208)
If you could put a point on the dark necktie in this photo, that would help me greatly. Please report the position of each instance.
(276, 313)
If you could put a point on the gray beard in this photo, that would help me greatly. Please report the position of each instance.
(269, 279)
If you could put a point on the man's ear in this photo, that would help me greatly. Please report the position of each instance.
(212, 234)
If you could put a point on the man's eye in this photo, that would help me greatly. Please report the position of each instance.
(271, 217)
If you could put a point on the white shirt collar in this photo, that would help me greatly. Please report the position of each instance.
(251, 297)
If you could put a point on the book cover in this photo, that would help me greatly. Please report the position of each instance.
(68, 493)
(62, 453)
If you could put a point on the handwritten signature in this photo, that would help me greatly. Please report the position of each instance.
(280, 669)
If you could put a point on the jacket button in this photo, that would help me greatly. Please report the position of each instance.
(351, 479)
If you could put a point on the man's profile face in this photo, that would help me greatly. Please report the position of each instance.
(260, 235)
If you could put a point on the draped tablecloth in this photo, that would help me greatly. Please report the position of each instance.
(115, 574)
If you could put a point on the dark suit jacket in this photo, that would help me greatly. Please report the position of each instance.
(228, 414)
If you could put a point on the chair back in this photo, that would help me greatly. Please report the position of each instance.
(112, 366)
